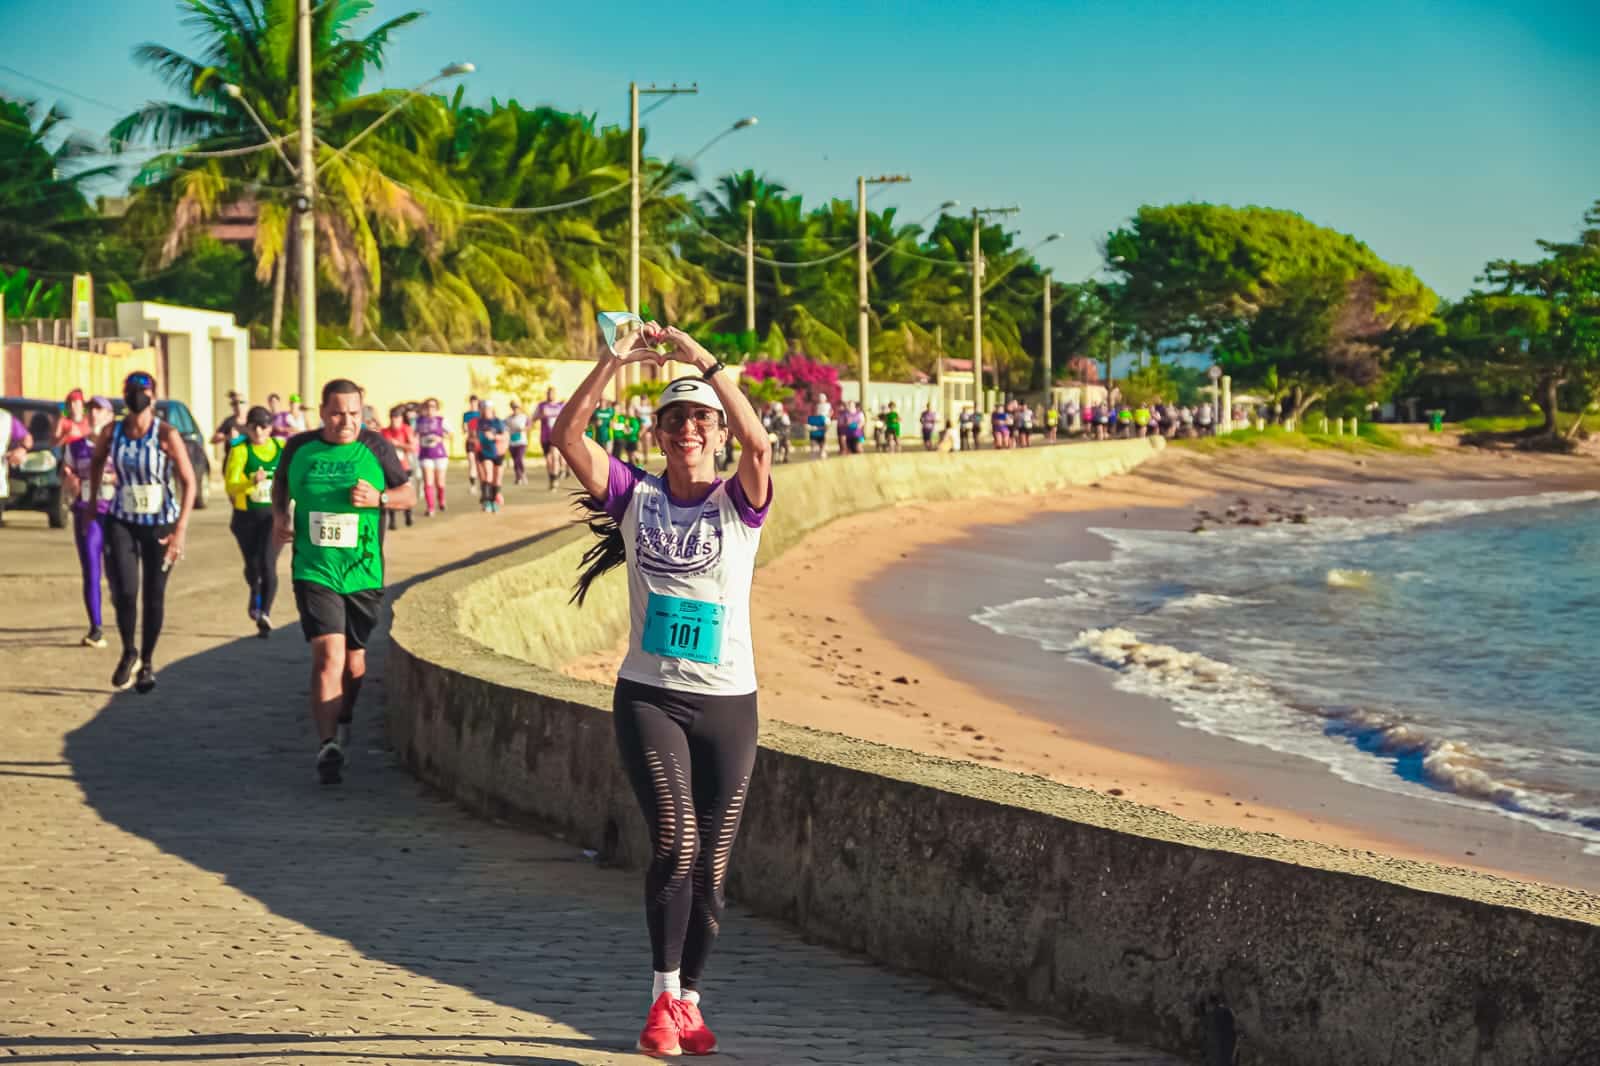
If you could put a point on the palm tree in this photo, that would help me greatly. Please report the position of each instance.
(43, 209)
(251, 44)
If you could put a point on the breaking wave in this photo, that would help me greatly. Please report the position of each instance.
(1437, 683)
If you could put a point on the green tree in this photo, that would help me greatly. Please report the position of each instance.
(1541, 320)
(44, 215)
(1267, 291)
(251, 44)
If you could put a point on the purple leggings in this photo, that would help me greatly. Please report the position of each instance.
(89, 531)
(518, 454)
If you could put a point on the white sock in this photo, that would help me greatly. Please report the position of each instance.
(689, 995)
(665, 982)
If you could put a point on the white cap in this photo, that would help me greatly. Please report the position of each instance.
(691, 390)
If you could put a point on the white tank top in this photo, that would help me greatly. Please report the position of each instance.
(689, 571)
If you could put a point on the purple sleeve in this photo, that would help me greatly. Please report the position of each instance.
(619, 487)
(750, 516)
(17, 431)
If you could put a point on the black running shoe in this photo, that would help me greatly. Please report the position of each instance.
(94, 638)
(330, 763)
(123, 677)
(263, 626)
(146, 680)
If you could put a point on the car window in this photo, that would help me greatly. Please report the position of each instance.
(180, 418)
(40, 424)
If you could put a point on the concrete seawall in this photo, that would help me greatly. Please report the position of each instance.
(1222, 945)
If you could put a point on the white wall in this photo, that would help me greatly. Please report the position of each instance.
(208, 353)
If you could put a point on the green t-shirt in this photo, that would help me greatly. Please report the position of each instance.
(602, 424)
(891, 422)
(625, 428)
(337, 544)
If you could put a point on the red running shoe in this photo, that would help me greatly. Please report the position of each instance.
(660, 1036)
(693, 1035)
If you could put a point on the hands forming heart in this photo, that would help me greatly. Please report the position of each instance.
(632, 340)
(648, 342)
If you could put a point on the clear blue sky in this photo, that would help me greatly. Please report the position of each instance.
(1441, 132)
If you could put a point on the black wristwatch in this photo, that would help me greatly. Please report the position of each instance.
(711, 371)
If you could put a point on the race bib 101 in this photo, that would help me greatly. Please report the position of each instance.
(678, 628)
(334, 530)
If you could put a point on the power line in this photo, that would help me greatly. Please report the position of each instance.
(760, 259)
(497, 210)
(62, 89)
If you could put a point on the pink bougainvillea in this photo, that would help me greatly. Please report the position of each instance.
(805, 375)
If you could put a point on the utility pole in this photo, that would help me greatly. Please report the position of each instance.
(978, 215)
(305, 206)
(750, 266)
(1047, 370)
(863, 307)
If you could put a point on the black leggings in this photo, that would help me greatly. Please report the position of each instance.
(128, 548)
(253, 531)
(689, 758)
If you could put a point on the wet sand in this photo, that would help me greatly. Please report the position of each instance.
(864, 629)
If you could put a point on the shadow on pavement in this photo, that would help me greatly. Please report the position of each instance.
(216, 768)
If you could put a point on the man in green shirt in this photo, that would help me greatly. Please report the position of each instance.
(332, 476)
(891, 428)
(601, 424)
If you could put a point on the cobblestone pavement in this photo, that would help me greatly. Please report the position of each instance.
(177, 888)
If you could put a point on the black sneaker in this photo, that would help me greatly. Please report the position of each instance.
(146, 680)
(94, 638)
(123, 677)
(408, 519)
(330, 763)
(263, 626)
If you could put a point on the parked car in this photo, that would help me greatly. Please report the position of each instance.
(36, 484)
(177, 413)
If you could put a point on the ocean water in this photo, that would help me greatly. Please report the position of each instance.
(1448, 652)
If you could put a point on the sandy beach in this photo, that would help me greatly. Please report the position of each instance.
(864, 629)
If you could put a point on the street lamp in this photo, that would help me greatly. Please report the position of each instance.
(275, 140)
(861, 272)
(634, 93)
(978, 214)
(1046, 348)
(451, 71)
(750, 266)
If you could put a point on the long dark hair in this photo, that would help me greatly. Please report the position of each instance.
(607, 552)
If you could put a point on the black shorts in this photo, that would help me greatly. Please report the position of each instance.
(324, 612)
(497, 460)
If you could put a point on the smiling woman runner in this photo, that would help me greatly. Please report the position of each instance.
(685, 702)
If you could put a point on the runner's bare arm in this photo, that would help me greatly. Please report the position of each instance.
(172, 444)
(396, 479)
(588, 461)
(282, 524)
(102, 450)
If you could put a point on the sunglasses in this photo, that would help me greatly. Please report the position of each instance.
(674, 420)
(140, 381)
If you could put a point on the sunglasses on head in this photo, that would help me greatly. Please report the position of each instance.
(673, 419)
(140, 381)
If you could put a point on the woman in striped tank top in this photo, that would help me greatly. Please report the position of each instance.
(147, 522)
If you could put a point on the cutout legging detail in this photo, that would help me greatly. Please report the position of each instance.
(130, 549)
(689, 757)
